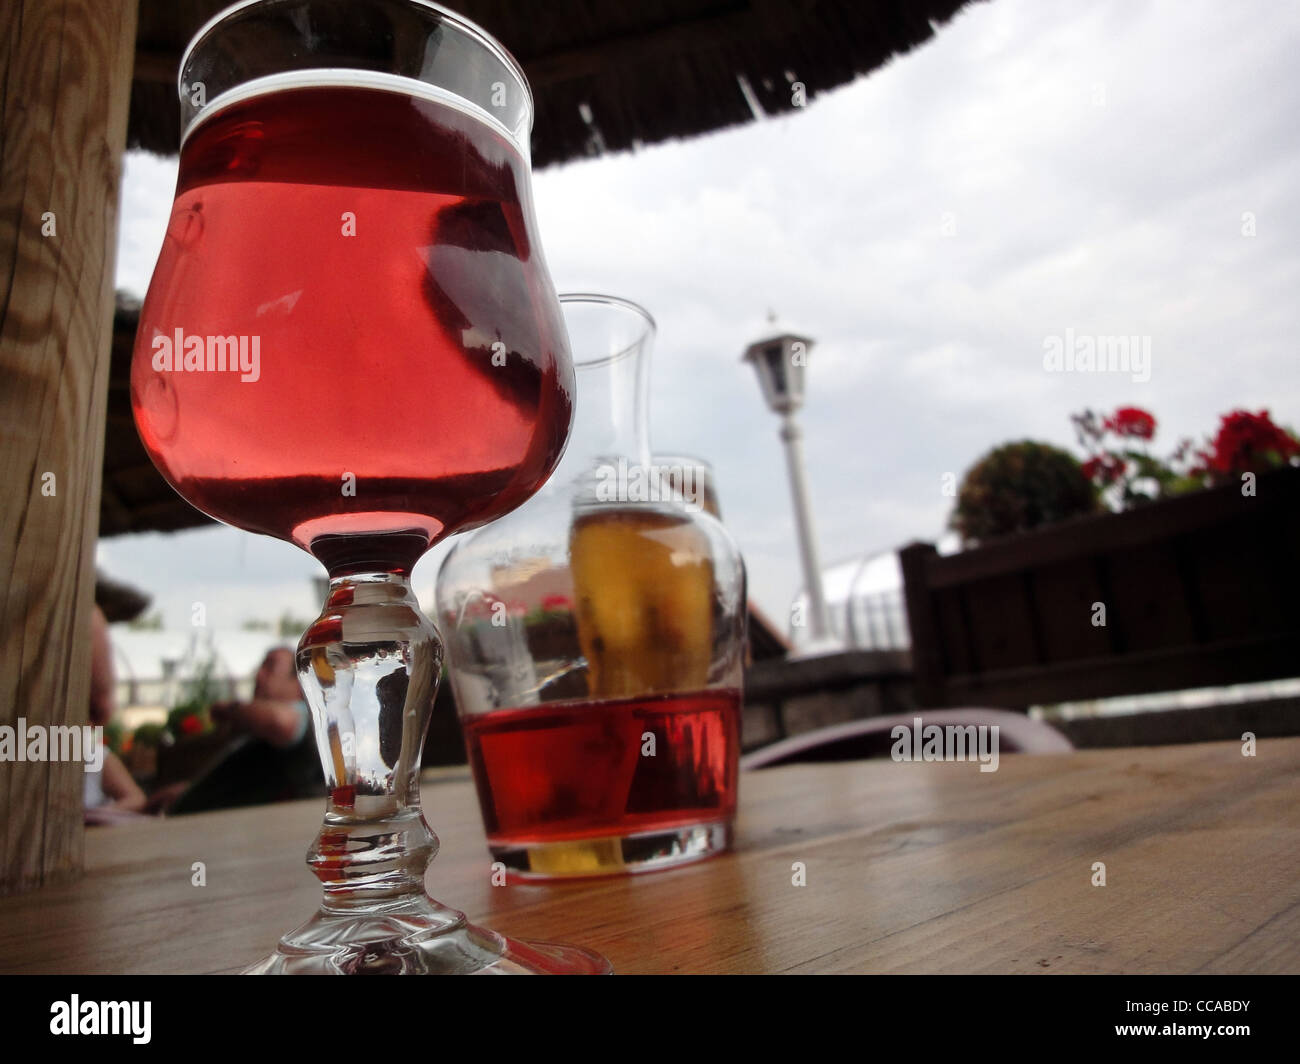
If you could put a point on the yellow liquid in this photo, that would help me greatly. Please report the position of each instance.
(643, 584)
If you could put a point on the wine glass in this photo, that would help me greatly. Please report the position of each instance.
(351, 342)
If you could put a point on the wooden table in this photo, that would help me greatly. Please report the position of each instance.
(910, 868)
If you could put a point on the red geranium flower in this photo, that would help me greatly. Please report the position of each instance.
(1247, 442)
(1104, 469)
(191, 725)
(1132, 421)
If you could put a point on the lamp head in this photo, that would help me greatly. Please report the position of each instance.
(780, 361)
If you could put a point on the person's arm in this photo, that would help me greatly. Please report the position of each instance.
(102, 673)
(281, 724)
(276, 714)
(119, 788)
(276, 721)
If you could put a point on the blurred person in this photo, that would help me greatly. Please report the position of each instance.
(277, 713)
(111, 790)
(274, 757)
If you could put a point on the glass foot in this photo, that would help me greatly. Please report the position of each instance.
(416, 937)
(613, 855)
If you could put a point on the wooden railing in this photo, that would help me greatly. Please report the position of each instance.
(788, 697)
(1197, 591)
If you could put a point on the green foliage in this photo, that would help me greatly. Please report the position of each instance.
(538, 616)
(291, 626)
(115, 736)
(197, 696)
(198, 692)
(149, 735)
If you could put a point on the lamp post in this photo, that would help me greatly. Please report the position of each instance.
(780, 361)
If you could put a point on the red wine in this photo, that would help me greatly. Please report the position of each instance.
(362, 262)
(575, 770)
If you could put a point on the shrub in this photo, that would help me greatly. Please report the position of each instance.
(1019, 486)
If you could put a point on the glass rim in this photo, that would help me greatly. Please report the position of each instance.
(467, 26)
(649, 327)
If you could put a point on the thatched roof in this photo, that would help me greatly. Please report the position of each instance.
(644, 71)
(134, 496)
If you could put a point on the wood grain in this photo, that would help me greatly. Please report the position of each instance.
(65, 75)
(910, 868)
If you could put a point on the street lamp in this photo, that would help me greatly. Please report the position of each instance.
(780, 361)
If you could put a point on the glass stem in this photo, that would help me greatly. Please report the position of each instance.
(369, 667)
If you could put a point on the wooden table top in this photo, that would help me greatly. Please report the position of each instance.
(910, 868)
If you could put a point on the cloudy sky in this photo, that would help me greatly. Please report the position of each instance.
(1038, 167)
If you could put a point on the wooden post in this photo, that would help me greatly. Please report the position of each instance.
(65, 81)
(927, 656)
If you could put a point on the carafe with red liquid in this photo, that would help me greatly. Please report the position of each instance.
(596, 638)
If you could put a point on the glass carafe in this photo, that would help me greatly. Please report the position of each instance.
(595, 640)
